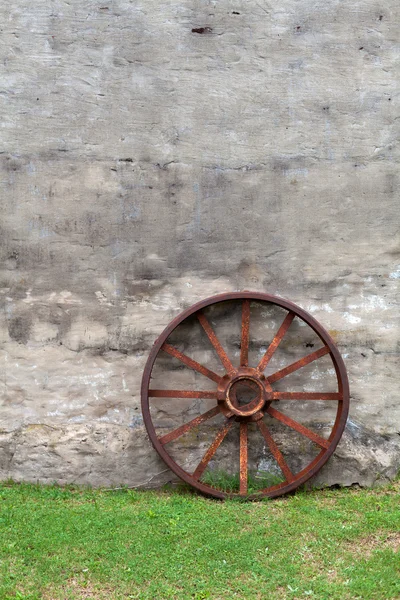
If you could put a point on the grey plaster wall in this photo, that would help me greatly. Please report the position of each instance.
(145, 165)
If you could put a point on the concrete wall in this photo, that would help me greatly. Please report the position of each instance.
(145, 166)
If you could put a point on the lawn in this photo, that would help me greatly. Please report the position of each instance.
(59, 543)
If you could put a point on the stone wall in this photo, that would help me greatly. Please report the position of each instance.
(157, 152)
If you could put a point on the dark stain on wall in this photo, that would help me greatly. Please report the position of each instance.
(19, 328)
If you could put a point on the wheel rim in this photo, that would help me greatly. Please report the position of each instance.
(223, 390)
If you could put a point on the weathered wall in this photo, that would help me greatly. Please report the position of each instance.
(144, 166)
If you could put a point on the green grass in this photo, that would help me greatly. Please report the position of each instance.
(225, 482)
(58, 543)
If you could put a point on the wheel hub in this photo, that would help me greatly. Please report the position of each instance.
(245, 394)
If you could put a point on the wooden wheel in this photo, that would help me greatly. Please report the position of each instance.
(238, 428)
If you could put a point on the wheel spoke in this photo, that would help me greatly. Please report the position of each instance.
(298, 427)
(189, 362)
(198, 472)
(276, 453)
(243, 458)
(184, 428)
(181, 394)
(244, 345)
(305, 396)
(298, 364)
(215, 342)
(276, 341)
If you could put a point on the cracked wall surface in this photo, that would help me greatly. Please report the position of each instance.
(157, 152)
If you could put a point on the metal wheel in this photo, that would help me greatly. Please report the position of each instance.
(230, 423)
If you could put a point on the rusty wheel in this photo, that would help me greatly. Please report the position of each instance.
(220, 403)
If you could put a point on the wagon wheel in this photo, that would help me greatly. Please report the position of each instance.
(247, 398)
